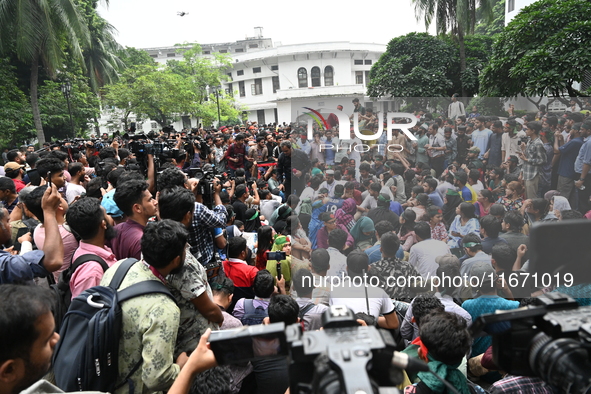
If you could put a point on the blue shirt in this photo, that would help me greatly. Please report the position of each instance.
(480, 139)
(484, 305)
(436, 199)
(375, 254)
(568, 155)
(584, 156)
(21, 269)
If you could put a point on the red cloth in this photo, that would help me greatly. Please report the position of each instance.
(423, 351)
(487, 360)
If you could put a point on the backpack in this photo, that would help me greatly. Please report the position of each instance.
(303, 312)
(253, 316)
(86, 356)
(61, 289)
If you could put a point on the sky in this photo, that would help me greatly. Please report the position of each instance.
(155, 23)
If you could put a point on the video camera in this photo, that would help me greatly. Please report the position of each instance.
(206, 176)
(332, 360)
(550, 340)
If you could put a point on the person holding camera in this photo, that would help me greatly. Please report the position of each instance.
(235, 154)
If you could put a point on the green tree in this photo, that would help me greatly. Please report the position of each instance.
(39, 30)
(543, 51)
(490, 28)
(414, 65)
(54, 108)
(419, 65)
(457, 17)
(16, 118)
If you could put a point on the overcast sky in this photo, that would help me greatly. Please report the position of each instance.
(154, 23)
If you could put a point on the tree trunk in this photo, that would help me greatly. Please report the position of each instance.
(97, 128)
(462, 59)
(35, 100)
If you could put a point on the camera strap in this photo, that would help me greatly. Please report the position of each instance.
(366, 297)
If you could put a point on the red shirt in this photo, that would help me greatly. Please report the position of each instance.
(127, 243)
(241, 273)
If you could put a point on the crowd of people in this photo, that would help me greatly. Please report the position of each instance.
(459, 201)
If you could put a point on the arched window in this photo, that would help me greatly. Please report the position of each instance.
(302, 78)
(328, 76)
(315, 73)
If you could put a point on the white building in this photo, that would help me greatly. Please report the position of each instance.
(273, 83)
(512, 8)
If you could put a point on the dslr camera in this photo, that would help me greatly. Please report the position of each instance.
(342, 358)
(550, 340)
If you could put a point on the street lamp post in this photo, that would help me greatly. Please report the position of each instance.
(66, 89)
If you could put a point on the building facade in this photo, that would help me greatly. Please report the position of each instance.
(273, 83)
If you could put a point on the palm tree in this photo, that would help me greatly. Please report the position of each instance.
(457, 17)
(40, 30)
(100, 55)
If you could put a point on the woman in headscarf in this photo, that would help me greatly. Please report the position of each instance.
(282, 244)
(282, 215)
(451, 201)
(464, 223)
(363, 232)
(345, 214)
(559, 204)
(252, 222)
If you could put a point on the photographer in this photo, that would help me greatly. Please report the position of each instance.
(292, 174)
(235, 154)
(203, 222)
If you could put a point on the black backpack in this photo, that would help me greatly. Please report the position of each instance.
(61, 289)
(86, 356)
(253, 316)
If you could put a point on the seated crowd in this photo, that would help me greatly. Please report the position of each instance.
(279, 242)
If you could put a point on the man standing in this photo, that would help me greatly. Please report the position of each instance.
(333, 120)
(534, 157)
(494, 153)
(189, 286)
(436, 149)
(235, 154)
(481, 136)
(136, 202)
(456, 108)
(87, 218)
(582, 168)
(292, 165)
(566, 166)
(303, 142)
(150, 322)
(358, 108)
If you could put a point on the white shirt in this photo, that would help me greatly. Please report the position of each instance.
(423, 254)
(338, 263)
(354, 298)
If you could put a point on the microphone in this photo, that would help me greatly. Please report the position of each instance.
(410, 364)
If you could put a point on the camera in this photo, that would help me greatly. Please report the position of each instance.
(278, 256)
(342, 358)
(549, 340)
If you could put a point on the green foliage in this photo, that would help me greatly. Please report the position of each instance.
(135, 57)
(413, 65)
(16, 118)
(487, 106)
(163, 94)
(543, 51)
(497, 25)
(54, 108)
(420, 65)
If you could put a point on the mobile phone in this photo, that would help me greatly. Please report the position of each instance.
(34, 177)
(249, 343)
(276, 256)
